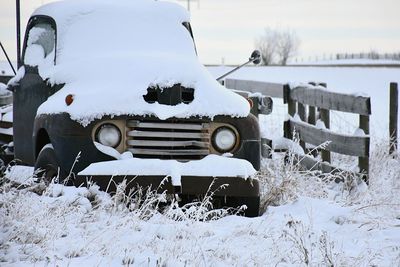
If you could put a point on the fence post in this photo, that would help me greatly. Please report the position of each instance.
(291, 103)
(291, 110)
(393, 115)
(301, 110)
(325, 117)
(312, 115)
(363, 162)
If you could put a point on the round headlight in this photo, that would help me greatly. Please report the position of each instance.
(108, 135)
(224, 139)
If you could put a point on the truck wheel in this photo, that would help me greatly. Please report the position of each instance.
(252, 203)
(46, 166)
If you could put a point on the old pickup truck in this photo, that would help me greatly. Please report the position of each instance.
(112, 91)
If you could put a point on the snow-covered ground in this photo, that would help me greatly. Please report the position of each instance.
(306, 222)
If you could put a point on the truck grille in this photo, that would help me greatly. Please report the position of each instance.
(168, 140)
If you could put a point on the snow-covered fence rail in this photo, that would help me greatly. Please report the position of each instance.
(305, 101)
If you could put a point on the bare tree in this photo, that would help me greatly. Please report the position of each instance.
(277, 46)
(267, 45)
(287, 45)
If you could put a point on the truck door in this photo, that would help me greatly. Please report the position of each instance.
(32, 90)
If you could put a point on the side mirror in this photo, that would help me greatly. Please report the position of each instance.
(255, 57)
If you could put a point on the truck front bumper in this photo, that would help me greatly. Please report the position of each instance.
(220, 175)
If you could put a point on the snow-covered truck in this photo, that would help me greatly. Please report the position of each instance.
(113, 90)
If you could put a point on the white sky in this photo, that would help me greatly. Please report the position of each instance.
(227, 28)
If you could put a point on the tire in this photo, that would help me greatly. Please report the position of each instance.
(252, 203)
(47, 167)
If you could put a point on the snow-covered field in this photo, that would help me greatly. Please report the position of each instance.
(305, 221)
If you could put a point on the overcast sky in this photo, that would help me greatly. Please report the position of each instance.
(227, 28)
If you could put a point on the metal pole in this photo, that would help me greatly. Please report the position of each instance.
(8, 59)
(18, 17)
(188, 5)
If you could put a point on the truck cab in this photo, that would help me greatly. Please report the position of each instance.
(114, 91)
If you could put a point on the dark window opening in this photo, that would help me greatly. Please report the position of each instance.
(171, 96)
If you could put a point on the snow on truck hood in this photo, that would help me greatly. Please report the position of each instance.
(110, 52)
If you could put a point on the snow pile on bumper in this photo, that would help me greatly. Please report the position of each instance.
(210, 166)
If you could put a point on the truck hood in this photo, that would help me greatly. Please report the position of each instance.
(116, 84)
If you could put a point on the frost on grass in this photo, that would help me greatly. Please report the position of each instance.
(337, 224)
(70, 225)
(308, 222)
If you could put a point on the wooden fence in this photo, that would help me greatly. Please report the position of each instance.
(315, 98)
(313, 102)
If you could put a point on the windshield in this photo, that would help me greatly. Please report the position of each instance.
(40, 44)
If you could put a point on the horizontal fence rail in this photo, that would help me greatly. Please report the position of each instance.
(333, 101)
(342, 144)
(266, 88)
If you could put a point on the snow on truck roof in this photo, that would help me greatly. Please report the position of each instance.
(110, 52)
